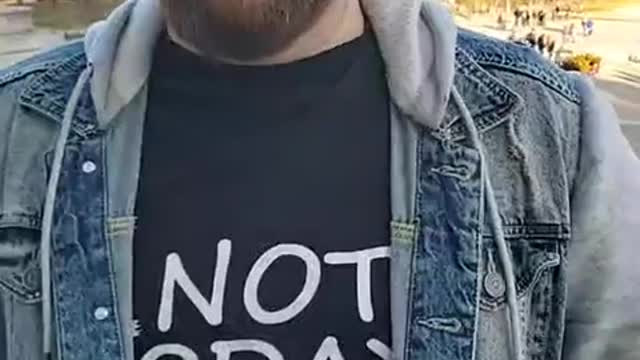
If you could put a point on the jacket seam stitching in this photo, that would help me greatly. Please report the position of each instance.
(21, 73)
(569, 95)
(28, 221)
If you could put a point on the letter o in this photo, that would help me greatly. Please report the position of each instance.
(312, 281)
(159, 351)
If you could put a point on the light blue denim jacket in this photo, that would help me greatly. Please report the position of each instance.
(514, 197)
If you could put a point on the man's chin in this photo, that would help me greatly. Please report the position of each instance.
(223, 29)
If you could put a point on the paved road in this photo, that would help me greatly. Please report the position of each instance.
(15, 47)
(621, 84)
(633, 134)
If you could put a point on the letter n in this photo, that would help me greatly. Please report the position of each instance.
(175, 274)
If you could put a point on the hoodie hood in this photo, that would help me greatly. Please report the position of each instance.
(420, 73)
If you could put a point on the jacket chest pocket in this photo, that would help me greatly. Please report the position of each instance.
(20, 274)
(536, 251)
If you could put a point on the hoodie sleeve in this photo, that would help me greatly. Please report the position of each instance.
(603, 313)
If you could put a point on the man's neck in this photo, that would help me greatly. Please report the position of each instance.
(340, 23)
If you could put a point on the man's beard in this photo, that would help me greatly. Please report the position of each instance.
(241, 30)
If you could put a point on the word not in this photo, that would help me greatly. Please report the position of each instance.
(211, 308)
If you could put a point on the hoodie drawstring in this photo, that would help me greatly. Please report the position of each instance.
(49, 204)
(496, 229)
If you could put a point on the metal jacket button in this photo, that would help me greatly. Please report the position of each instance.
(494, 285)
(88, 167)
(101, 313)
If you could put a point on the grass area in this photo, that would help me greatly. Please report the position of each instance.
(67, 14)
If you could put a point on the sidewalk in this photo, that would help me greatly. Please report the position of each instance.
(15, 47)
(616, 35)
(18, 42)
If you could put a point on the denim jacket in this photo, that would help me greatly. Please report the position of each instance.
(514, 197)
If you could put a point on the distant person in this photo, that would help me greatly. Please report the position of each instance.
(589, 27)
(541, 42)
(551, 47)
(517, 14)
(565, 33)
(572, 33)
(502, 24)
(541, 17)
(531, 38)
(526, 19)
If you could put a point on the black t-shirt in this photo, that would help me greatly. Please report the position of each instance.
(263, 209)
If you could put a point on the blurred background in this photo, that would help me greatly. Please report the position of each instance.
(600, 38)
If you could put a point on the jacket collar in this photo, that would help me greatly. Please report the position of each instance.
(416, 52)
(49, 91)
(489, 101)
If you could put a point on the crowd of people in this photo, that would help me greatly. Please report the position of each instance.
(524, 18)
(536, 20)
(544, 43)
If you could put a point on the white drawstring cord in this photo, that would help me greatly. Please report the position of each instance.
(496, 229)
(49, 204)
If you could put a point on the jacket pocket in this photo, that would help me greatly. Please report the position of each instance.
(536, 250)
(20, 273)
